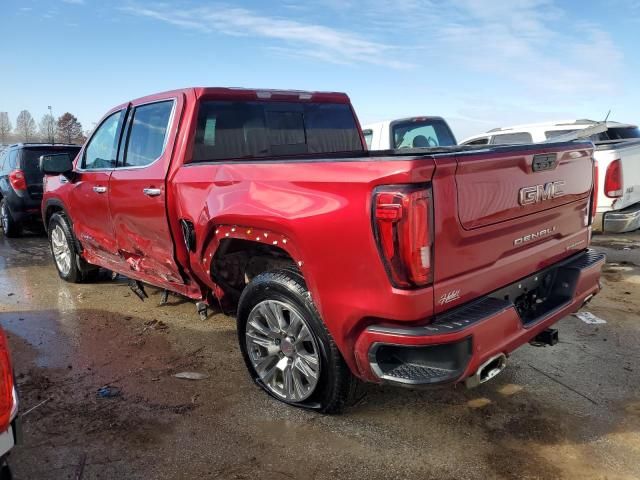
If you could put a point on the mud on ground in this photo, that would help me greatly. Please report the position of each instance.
(569, 411)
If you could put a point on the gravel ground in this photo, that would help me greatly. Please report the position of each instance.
(568, 411)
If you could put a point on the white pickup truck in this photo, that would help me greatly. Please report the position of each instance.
(617, 155)
(412, 132)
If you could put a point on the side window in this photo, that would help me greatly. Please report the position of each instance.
(478, 141)
(512, 138)
(557, 133)
(368, 137)
(3, 156)
(13, 159)
(148, 134)
(102, 149)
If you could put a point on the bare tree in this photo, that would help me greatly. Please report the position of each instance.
(25, 126)
(70, 129)
(48, 128)
(5, 127)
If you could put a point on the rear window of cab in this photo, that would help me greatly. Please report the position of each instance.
(245, 130)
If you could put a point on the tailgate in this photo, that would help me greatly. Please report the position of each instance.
(502, 214)
(30, 164)
(495, 187)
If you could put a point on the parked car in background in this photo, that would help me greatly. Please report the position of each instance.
(21, 183)
(617, 153)
(8, 407)
(412, 132)
(404, 266)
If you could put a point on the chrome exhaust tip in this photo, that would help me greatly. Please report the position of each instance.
(487, 371)
(587, 300)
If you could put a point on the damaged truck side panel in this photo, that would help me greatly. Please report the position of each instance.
(399, 266)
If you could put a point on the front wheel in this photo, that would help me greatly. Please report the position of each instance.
(286, 346)
(70, 265)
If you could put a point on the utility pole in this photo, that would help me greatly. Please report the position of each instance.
(52, 129)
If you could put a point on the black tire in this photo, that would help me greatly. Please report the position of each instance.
(336, 385)
(10, 227)
(79, 270)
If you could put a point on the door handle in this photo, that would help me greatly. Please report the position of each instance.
(100, 189)
(151, 192)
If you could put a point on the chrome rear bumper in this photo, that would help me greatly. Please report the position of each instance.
(620, 221)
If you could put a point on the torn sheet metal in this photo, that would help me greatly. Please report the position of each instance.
(582, 134)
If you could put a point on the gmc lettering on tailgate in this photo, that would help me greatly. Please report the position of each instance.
(540, 193)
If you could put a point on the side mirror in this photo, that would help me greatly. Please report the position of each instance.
(56, 164)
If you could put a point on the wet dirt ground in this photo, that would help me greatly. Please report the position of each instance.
(569, 411)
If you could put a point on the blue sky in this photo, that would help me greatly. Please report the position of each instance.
(479, 63)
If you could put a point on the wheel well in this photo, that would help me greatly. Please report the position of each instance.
(237, 261)
(51, 209)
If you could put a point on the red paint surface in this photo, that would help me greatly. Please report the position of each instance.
(319, 211)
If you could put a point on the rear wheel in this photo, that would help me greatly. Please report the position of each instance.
(70, 265)
(286, 346)
(10, 227)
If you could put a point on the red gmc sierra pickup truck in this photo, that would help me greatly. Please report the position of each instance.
(410, 267)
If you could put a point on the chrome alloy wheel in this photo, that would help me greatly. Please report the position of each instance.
(61, 251)
(4, 217)
(282, 350)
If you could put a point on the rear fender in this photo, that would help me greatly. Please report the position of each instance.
(203, 262)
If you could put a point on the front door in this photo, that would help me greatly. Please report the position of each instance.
(137, 193)
(89, 196)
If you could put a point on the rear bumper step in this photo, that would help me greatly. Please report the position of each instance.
(467, 340)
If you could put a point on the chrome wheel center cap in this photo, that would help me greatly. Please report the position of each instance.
(287, 347)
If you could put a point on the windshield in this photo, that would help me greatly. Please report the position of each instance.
(422, 133)
(30, 156)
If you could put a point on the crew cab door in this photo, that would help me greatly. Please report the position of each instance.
(88, 201)
(137, 197)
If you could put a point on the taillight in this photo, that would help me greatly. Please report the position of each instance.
(402, 223)
(613, 180)
(6, 385)
(17, 180)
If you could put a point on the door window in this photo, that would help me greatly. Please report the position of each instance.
(102, 149)
(147, 134)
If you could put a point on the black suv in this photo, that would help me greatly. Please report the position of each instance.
(21, 183)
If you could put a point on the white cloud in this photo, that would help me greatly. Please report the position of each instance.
(532, 43)
(292, 37)
(74, 2)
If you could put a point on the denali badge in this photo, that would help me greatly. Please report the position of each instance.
(540, 193)
(535, 236)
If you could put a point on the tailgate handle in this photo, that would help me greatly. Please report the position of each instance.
(544, 161)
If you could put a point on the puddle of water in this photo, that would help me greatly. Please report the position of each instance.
(46, 331)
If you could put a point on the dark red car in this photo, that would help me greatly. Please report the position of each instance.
(8, 407)
(413, 267)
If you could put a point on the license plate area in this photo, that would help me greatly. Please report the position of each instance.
(538, 295)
